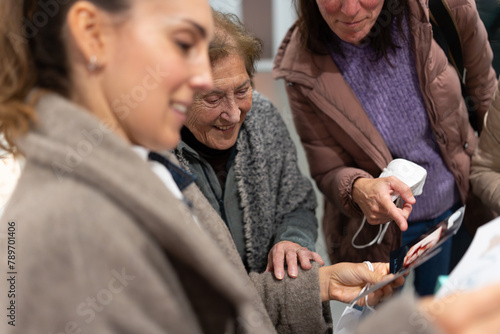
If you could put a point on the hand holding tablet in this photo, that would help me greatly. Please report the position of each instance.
(418, 251)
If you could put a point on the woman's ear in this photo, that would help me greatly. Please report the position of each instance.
(88, 26)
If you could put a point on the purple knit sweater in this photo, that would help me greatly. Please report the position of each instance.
(393, 101)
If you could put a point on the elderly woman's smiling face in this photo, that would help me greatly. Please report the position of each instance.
(216, 116)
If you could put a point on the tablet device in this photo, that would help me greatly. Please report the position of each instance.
(420, 250)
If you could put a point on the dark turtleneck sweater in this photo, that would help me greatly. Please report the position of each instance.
(220, 160)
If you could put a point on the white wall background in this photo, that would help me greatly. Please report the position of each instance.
(232, 6)
(280, 19)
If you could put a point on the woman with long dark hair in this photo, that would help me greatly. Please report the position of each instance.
(367, 84)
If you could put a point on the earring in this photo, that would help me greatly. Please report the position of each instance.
(92, 66)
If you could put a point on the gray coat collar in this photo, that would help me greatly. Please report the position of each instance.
(268, 181)
(74, 144)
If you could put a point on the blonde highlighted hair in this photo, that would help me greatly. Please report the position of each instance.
(231, 36)
(33, 55)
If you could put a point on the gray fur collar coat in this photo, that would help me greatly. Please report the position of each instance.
(277, 201)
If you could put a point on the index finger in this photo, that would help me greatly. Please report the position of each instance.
(397, 215)
(402, 189)
(381, 267)
(278, 263)
(394, 212)
(291, 261)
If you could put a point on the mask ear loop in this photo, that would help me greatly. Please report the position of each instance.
(399, 203)
(379, 236)
(367, 286)
(381, 230)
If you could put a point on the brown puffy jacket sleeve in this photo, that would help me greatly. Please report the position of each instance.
(477, 55)
(328, 161)
(485, 174)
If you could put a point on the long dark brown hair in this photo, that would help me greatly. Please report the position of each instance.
(33, 54)
(314, 31)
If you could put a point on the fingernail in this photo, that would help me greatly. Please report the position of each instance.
(279, 275)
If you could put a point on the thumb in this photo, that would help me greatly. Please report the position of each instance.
(372, 277)
(403, 190)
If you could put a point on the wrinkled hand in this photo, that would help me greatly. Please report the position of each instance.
(290, 252)
(374, 198)
(465, 313)
(344, 282)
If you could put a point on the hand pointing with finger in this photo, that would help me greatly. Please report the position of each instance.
(374, 199)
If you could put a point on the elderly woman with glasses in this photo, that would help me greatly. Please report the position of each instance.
(239, 148)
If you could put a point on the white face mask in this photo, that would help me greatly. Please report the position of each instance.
(353, 313)
(350, 319)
